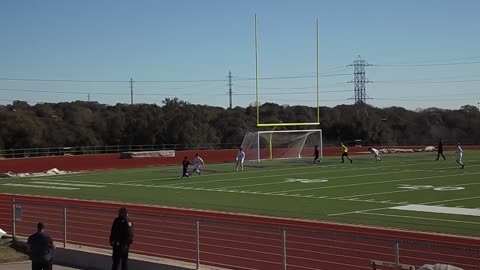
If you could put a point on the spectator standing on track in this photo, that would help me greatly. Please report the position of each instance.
(316, 155)
(121, 237)
(440, 150)
(40, 245)
(345, 153)
(240, 158)
(185, 164)
(460, 156)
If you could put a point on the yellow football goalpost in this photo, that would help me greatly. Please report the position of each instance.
(259, 124)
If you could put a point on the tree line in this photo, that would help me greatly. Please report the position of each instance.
(82, 123)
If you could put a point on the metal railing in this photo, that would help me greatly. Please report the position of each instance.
(107, 149)
(238, 245)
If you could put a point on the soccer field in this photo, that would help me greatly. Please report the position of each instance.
(407, 191)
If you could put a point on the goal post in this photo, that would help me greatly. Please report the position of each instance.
(278, 144)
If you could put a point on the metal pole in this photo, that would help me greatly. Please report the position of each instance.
(14, 233)
(284, 248)
(197, 232)
(397, 255)
(64, 227)
(131, 91)
(258, 146)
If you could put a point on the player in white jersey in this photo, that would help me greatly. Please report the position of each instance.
(375, 153)
(240, 158)
(198, 163)
(460, 155)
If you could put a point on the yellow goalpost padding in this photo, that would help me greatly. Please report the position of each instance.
(259, 124)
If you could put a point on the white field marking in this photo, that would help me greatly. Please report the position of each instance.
(399, 191)
(452, 200)
(38, 186)
(404, 203)
(423, 218)
(336, 177)
(438, 209)
(382, 182)
(460, 206)
(357, 212)
(272, 170)
(67, 184)
(230, 173)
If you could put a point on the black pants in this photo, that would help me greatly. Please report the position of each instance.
(440, 153)
(120, 257)
(344, 154)
(41, 265)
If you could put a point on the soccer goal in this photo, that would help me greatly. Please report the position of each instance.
(278, 144)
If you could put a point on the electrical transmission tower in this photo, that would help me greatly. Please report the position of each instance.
(360, 80)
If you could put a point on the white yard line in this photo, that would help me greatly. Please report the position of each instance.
(438, 209)
(422, 218)
(336, 177)
(39, 186)
(399, 191)
(382, 182)
(435, 202)
(66, 184)
(316, 169)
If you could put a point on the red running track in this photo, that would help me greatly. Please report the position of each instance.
(237, 241)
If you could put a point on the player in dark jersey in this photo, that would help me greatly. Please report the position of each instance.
(316, 155)
(185, 164)
(440, 150)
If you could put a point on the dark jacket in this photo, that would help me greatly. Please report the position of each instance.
(122, 231)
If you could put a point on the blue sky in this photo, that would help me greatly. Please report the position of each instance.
(187, 40)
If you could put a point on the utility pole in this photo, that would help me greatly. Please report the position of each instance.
(359, 80)
(131, 91)
(230, 87)
(88, 97)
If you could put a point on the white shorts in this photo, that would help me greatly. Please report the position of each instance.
(196, 167)
(459, 157)
(240, 161)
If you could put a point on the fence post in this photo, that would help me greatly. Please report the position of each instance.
(397, 255)
(284, 248)
(64, 227)
(197, 236)
(14, 233)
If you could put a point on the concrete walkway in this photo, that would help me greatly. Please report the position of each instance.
(28, 266)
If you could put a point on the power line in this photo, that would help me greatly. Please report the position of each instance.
(426, 82)
(292, 77)
(427, 65)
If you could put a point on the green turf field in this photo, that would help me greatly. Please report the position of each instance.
(408, 191)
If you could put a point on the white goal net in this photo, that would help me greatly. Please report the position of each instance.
(277, 144)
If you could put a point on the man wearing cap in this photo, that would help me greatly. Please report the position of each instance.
(39, 247)
(121, 237)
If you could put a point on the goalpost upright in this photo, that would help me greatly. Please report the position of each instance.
(259, 124)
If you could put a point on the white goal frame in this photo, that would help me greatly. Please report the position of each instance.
(320, 142)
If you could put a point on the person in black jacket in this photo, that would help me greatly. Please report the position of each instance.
(40, 245)
(121, 237)
(440, 150)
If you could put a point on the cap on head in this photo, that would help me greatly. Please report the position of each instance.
(122, 212)
(316, 146)
(369, 149)
(185, 157)
(40, 226)
(241, 148)
(196, 154)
